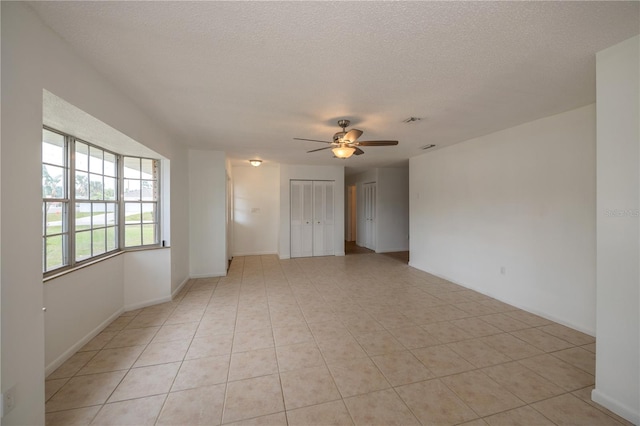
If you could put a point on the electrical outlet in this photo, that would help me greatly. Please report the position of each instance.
(503, 270)
(8, 400)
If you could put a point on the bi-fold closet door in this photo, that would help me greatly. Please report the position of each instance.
(369, 239)
(312, 218)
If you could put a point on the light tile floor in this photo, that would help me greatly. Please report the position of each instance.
(361, 339)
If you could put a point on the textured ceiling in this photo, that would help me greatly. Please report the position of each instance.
(247, 77)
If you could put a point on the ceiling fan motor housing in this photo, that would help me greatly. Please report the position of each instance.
(344, 123)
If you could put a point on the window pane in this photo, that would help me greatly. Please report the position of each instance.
(109, 164)
(83, 216)
(82, 156)
(53, 181)
(52, 148)
(83, 245)
(131, 189)
(95, 160)
(149, 234)
(109, 188)
(148, 169)
(111, 238)
(148, 212)
(82, 186)
(99, 215)
(132, 212)
(148, 192)
(131, 168)
(96, 187)
(54, 256)
(55, 217)
(98, 241)
(112, 217)
(132, 235)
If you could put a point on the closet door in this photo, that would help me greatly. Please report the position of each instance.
(370, 215)
(323, 218)
(307, 219)
(301, 218)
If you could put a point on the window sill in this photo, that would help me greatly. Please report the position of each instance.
(102, 259)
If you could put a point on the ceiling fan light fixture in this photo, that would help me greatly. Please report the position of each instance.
(255, 163)
(343, 151)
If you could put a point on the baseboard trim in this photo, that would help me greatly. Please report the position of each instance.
(529, 309)
(212, 275)
(80, 343)
(620, 409)
(180, 286)
(392, 250)
(146, 303)
(256, 253)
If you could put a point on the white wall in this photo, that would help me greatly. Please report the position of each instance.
(256, 193)
(291, 172)
(147, 278)
(392, 207)
(618, 249)
(229, 210)
(179, 219)
(207, 214)
(33, 59)
(392, 210)
(78, 305)
(523, 199)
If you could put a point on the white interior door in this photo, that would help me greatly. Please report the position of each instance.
(301, 218)
(323, 218)
(312, 218)
(329, 219)
(370, 215)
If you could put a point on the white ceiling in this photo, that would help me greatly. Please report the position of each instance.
(247, 77)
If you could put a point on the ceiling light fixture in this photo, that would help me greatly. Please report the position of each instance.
(343, 151)
(255, 163)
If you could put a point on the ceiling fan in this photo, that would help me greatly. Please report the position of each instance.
(345, 144)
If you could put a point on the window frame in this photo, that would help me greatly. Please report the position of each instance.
(89, 200)
(157, 202)
(69, 252)
(65, 201)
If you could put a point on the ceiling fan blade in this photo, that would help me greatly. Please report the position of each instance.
(311, 140)
(352, 135)
(358, 151)
(377, 143)
(319, 149)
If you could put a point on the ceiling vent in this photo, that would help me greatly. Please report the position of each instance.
(427, 146)
(411, 120)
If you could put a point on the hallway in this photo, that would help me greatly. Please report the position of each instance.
(331, 340)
